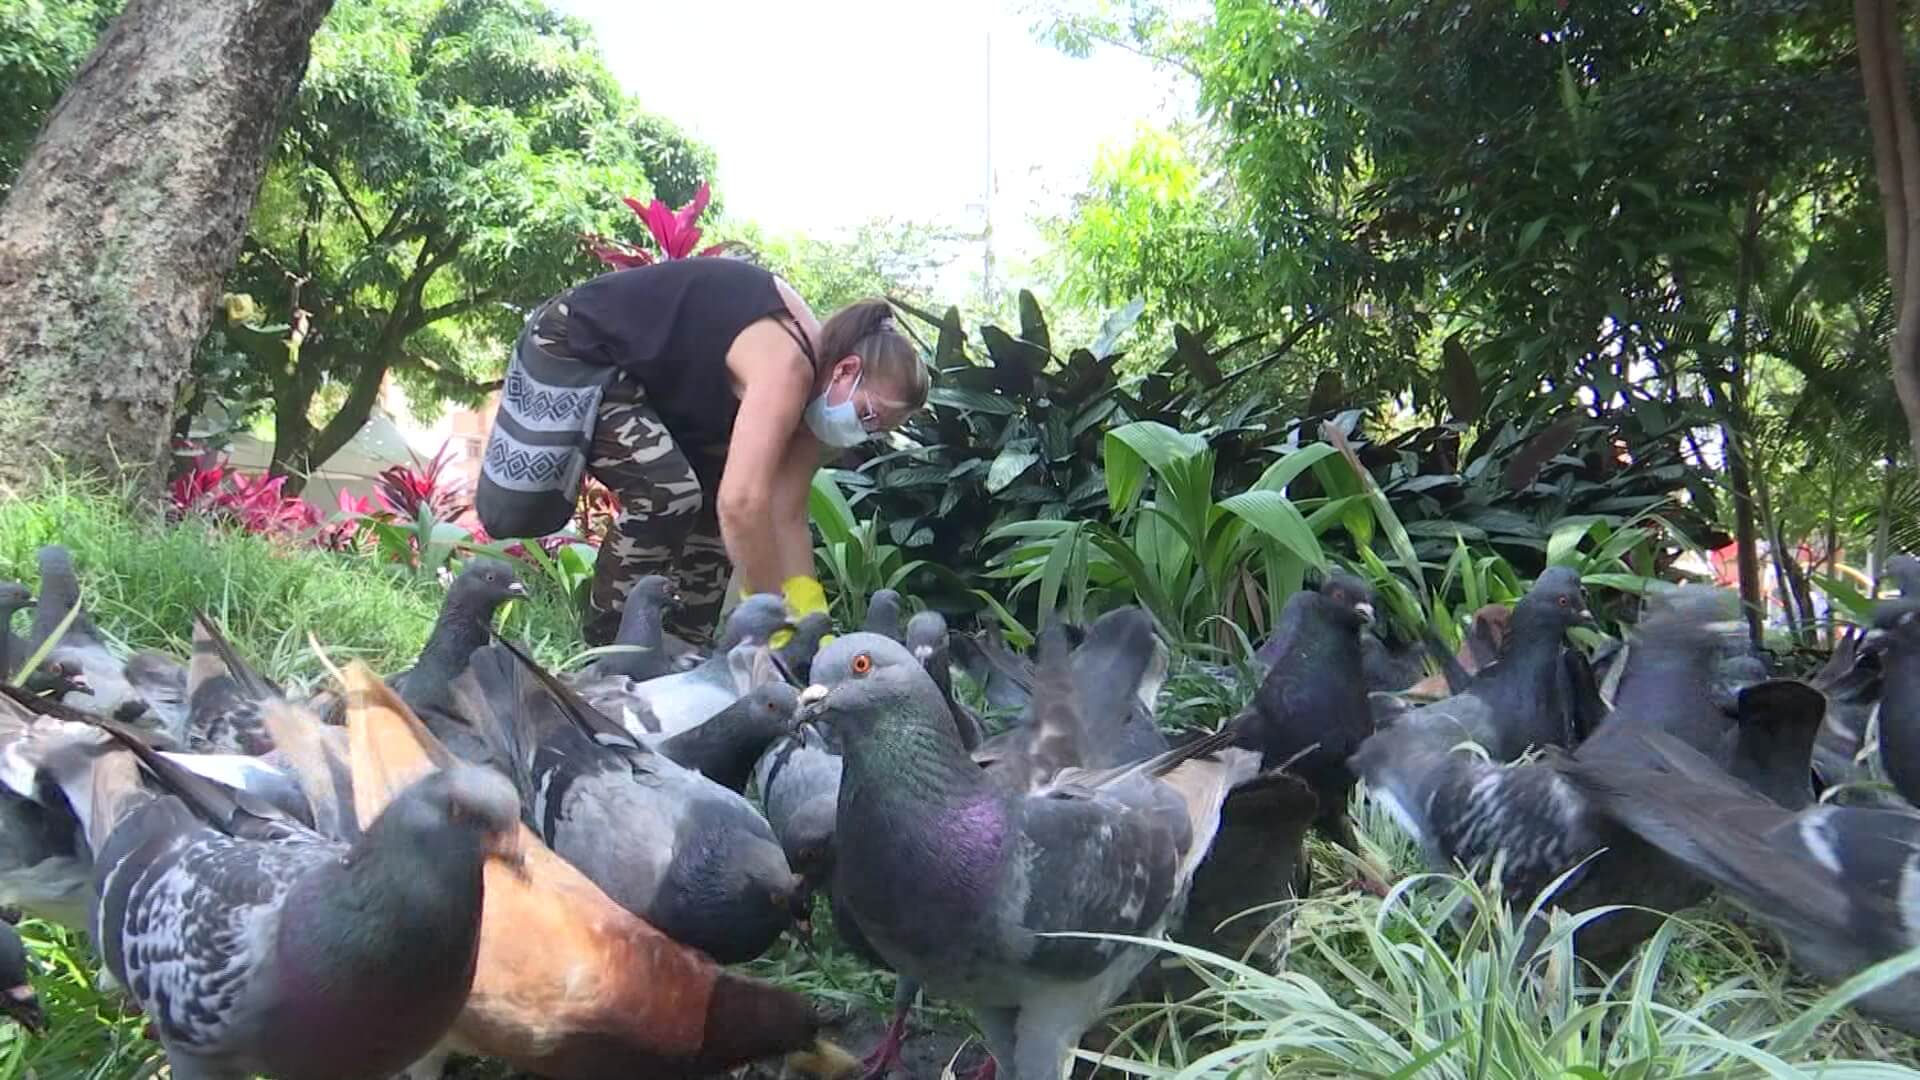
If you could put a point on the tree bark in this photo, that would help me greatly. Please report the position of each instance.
(125, 217)
(1896, 159)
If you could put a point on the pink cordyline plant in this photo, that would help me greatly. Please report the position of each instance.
(674, 233)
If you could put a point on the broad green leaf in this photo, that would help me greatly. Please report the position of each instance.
(959, 397)
(827, 505)
(1282, 472)
(1133, 448)
(1272, 514)
(1530, 235)
(1116, 326)
(1059, 561)
(1563, 547)
(1008, 466)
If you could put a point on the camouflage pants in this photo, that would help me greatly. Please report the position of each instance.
(666, 523)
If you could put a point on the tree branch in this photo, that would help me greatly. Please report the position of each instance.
(340, 185)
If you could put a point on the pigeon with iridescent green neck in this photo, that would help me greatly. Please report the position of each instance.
(953, 876)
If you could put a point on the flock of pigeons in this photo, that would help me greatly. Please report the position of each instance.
(480, 856)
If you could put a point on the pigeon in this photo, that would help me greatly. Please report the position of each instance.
(1529, 697)
(1904, 572)
(675, 848)
(1852, 681)
(1833, 881)
(927, 638)
(14, 598)
(1486, 636)
(953, 877)
(109, 686)
(569, 985)
(225, 696)
(257, 946)
(1530, 820)
(1118, 670)
(883, 615)
(799, 782)
(17, 997)
(464, 625)
(1895, 641)
(1311, 712)
(683, 699)
(726, 748)
(641, 639)
(43, 870)
(809, 634)
(1770, 747)
(1005, 677)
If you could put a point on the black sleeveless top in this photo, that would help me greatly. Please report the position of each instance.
(668, 326)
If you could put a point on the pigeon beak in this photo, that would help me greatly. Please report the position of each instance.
(1366, 611)
(813, 702)
(23, 1005)
(1584, 617)
(514, 588)
(923, 653)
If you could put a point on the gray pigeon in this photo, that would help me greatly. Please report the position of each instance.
(1004, 676)
(1895, 641)
(1852, 681)
(725, 748)
(107, 687)
(953, 878)
(1530, 696)
(927, 638)
(799, 782)
(1311, 711)
(42, 869)
(1834, 881)
(883, 615)
(1770, 748)
(257, 946)
(1904, 572)
(1528, 817)
(465, 625)
(17, 997)
(225, 696)
(642, 636)
(14, 598)
(798, 653)
(683, 699)
(668, 844)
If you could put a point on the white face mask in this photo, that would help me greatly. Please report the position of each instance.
(839, 425)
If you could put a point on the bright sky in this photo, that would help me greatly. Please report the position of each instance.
(831, 113)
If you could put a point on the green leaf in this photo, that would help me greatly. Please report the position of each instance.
(1117, 325)
(1563, 547)
(1033, 323)
(1273, 515)
(1283, 472)
(827, 505)
(1132, 448)
(1530, 235)
(956, 397)
(1008, 466)
(1059, 561)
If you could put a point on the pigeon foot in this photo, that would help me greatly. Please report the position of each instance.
(886, 1057)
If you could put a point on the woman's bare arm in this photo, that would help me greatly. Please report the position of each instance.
(775, 380)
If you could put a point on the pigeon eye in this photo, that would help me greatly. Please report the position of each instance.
(1564, 601)
(862, 664)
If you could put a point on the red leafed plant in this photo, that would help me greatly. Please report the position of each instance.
(404, 490)
(674, 234)
(257, 504)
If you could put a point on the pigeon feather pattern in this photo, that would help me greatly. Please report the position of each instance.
(1895, 642)
(1838, 883)
(256, 945)
(669, 844)
(569, 984)
(675, 703)
(962, 881)
(1530, 821)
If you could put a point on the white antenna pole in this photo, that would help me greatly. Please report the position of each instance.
(986, 231)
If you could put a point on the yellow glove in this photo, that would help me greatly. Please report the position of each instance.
(804, 596)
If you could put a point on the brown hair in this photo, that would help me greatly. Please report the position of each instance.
(866, 328)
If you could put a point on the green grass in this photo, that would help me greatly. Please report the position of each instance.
(1366, 988)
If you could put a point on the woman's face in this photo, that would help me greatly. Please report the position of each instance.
(878, 409)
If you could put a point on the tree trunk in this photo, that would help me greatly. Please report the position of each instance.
(1733, 434)
(125, 217)
(1896, 159)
